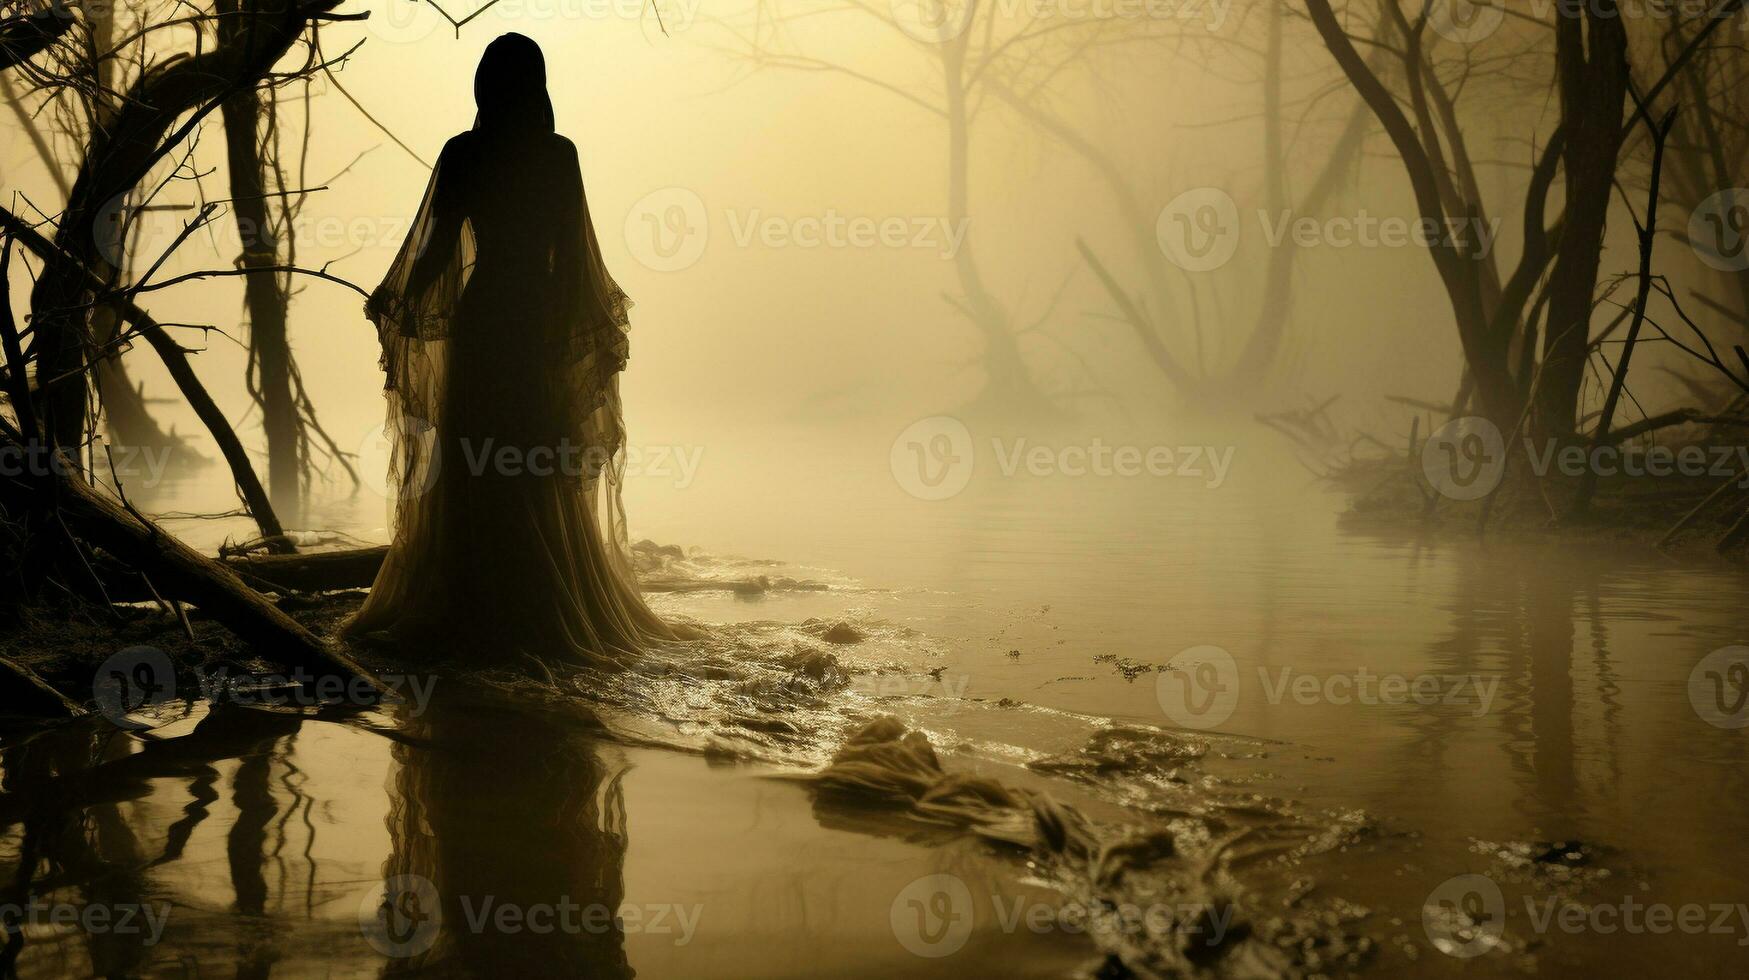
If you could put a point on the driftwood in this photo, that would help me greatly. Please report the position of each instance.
(178, 572)
(318, 571)
(354, 568)
(1680, 416)
(182, 573)
(23, 692)
(1695, 512)
(1436, 407)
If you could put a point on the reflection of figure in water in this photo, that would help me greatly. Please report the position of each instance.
(473, 837)
(503, 337)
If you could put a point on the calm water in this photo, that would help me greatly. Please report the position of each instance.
(1446, 707)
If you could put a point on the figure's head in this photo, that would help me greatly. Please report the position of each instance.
(510, 87)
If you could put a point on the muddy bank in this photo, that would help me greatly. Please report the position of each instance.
(1699, 517)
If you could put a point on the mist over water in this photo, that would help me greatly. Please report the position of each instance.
(1032, 640)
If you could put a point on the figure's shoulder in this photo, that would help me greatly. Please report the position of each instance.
(561, 154)
(458, 145)
(562, 147)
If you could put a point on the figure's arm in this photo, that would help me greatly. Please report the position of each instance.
(445, 222)
(569, 262)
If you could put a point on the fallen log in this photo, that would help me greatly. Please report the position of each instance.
(23, 692)
(181, 573)
(317, 571)
(356, 568)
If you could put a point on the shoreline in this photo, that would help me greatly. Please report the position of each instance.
(1683, 518)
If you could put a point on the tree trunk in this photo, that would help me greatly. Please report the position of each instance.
(171, 353)
(120, 154)
(1009, 385)
(269, 348)
(1591, 62)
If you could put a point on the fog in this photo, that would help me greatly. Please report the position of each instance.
(1062, 467)
(781, 326)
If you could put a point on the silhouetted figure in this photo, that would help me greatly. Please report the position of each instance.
(503, 337)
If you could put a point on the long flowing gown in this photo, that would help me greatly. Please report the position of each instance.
(503, 337)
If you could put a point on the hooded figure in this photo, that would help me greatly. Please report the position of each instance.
(503, 337)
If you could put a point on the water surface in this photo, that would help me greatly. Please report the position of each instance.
(1557, 753)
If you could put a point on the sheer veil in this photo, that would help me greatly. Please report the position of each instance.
(416, 307)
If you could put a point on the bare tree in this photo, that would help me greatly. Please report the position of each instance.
(976, 51)
(1246, 375)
